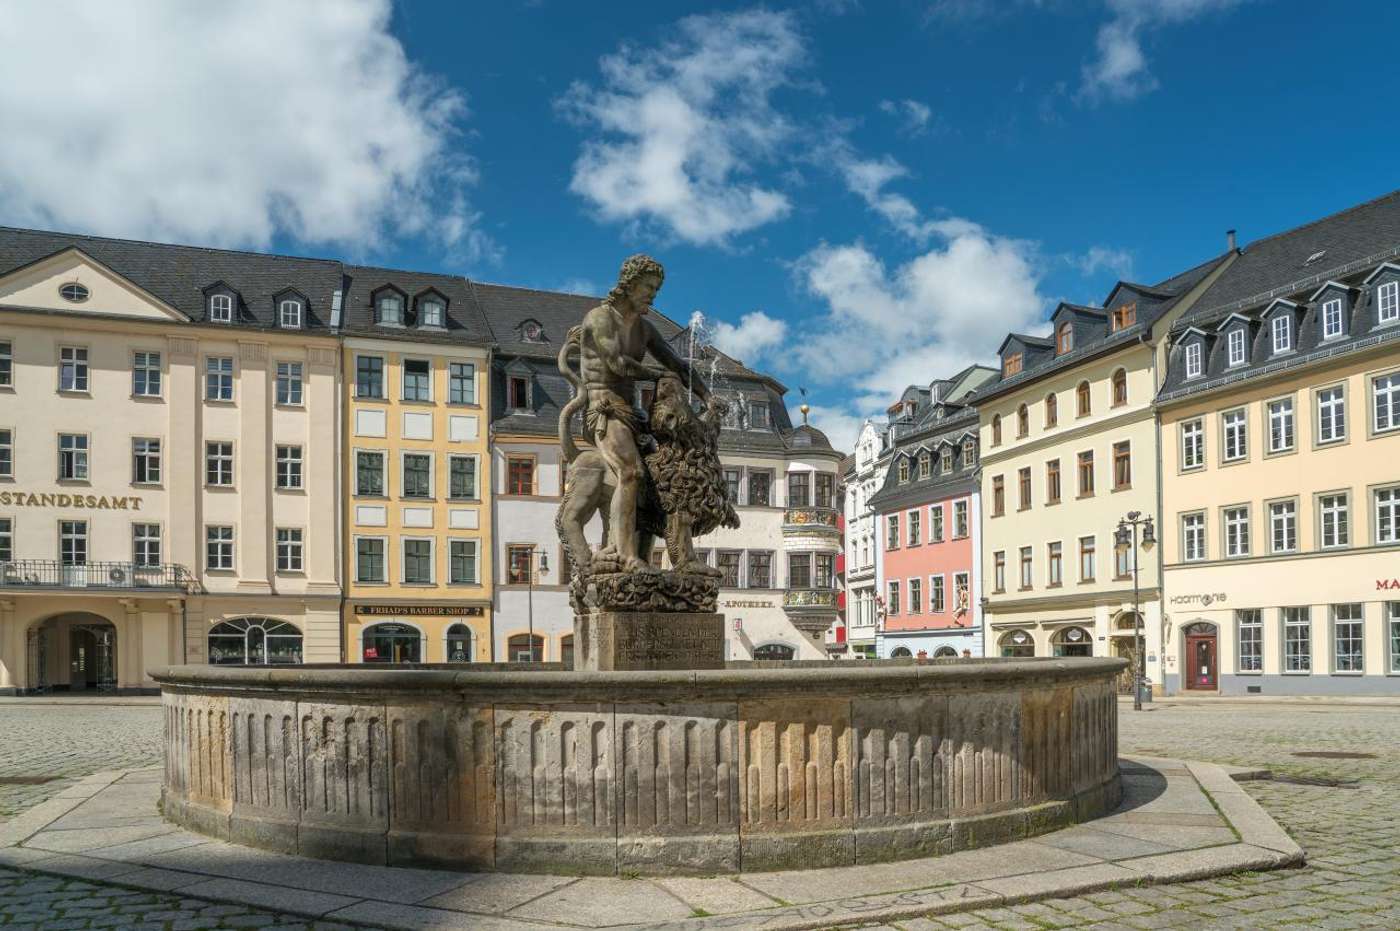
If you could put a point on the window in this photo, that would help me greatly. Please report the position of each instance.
(1086, 473)
(1120, 387)
(218, 547)
(521, 649)
(1072, 641)
(221, 308)
(998, 496)
(518, 392)
(760, 488)
(7, 454)
(417, 380)
(1193, 536)
(936, 603)
(758, 415)
(1016, 644)
(1193, 360)
(72, 457)
(1124, 315)
(1235, 425)
(731, 484)
(1249, 628)
(999, 571)
(288, 467)
(73, 292)
(1282, 329)
(916, 596)
(1347, 638)
(1385, 392)
(1122, 465)
(1023, 484)
(826, 489)
(73, 542)
(892, 604)
(145, 461)
(1392, 611)
(218, 463)
(1122, 562)
(417, 476)
(1333, 520)
(369, 559)
(289, 540)
(1055, 561)
(72, 369)
(1283, 526)
(7, 365)
(1064, 338)
(935, 523)
(1052, 482)
(1086, 559)
(1052, 411)
(218, 378)
(760, 569)
(430, 312)
(1013, 363)
(389, 308)
(1081, 399)
(925, 464)
(1193, 444)
(727, 562)
(145, 374)
(800, 487)
(1388, 302)
(1023, 422)
(892, 532)
(461, 476)
(461, 383)
(7, 539)
(1331, 414)
(417, 562)
(915, 527)
(1237, 531)
(462, 562)
(1297, 639)
(996, 429)
(520, 476)
(959, 519)
(1026, 568)
(799, 570)
(145, 544)
(289, 314)
(369, 473)
(459, 645)
(369, 377)
(1388, 515)
(1234, 346)
(945, 458)
(289, 383)
(1332, 319)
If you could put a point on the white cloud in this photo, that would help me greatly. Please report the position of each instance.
(580, 286)
(913, 115)
(680, 123)
(228, 124)
(754, 337)
(1118, 261)
(867, 177)
(1120, 71)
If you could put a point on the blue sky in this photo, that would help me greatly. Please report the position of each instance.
(859, 194)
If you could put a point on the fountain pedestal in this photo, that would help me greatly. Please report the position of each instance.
(608, 641)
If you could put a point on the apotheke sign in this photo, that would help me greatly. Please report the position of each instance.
(26, 499)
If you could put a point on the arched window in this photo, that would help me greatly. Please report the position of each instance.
(1081, 397)
(1023, 422)
(392, 642)
(1064, 340)
(221, 308)
(901, 653)
(945, 653)
(566, 651)
(520, 649)
(1120, 387)
(1072, 641)
(1016, 644)
(996, 429)
(774, 651)
(254, 641)
(1052, 410)
(289, 314)
(459, 644)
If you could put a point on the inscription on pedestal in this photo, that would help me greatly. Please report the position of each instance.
(616, 640)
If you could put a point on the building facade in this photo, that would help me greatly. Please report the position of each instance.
(865, 477)
(417, 471)
(169, 439)
(1280, 424)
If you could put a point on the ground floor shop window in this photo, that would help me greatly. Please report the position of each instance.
(566, 651)
(524, 648)
(254, 641)
(773, 651)
(1072, 641)
(901, 653)
(459, 644)
(1392, 614)
(1251, 639)
(1347, 637)
(1016, 644)
(944, 653)
(393, 643)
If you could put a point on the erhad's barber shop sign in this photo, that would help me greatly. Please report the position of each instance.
(26, 499)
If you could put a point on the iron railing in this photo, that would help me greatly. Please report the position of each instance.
(53, 573)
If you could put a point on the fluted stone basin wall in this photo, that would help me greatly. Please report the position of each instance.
(647, 772)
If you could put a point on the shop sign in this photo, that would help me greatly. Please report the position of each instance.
(747, 604)
(420, 610)
(25, 499)
(1387, 585)
(1204, 601)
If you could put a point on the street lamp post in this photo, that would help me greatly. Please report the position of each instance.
(1126, 537)
(530, 591)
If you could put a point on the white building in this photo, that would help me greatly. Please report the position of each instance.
(866, 477)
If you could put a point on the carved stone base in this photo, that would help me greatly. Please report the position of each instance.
(651, 589)
(606, 641)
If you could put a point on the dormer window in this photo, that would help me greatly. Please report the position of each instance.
(945, 460)
(1124, 316)
(1388, 302)
(289, 314)
(1282, 329)
(518, 393)
(903, 470)
(430, 312)
(1193, 360)
(967, 454)
(758, 415)
(532, 331)
(1064, 338)
(221, 308)
(1012, 365)
(389, 309)
(1332, 319)
(1234, 346)
(925, 464)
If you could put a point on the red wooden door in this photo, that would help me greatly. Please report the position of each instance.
(1200, 671)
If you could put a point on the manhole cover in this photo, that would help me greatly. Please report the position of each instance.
(1334, 755)
(1317, 781)
(25, 780)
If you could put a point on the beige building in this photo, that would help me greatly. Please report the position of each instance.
(169, 433)
(1280, 420)
(1069, 448)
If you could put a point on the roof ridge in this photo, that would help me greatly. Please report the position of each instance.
(405, 271)
(170, 245)
(516, 287)
(1320, 220)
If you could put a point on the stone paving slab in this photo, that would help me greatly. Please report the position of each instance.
(1178, 821)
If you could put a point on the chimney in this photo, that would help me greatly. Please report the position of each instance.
(1229, 240)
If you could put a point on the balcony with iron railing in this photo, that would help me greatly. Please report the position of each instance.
(101, 576)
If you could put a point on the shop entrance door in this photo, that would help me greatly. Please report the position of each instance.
(1201, 658)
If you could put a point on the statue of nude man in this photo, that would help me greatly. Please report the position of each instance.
(613, 343)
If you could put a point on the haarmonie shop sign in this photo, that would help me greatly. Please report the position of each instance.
(25, 499)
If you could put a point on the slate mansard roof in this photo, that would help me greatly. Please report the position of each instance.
(958, 425)
(1347, 256)
(464, 321)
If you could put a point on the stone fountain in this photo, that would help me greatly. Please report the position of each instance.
(653, 755)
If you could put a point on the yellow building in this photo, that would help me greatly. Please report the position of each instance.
(1280, 425)
(417, 365)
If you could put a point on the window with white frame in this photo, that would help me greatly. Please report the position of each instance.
(218, 463)
(430, 312)
(7, 453)
(892, 532)
(417, 476)
(289, 543)
(369, 472)
(417, 561)
(289, 383)
(1237, 531)
(935, 523)
(72, 457)
(389, 309)
(1332, 323)
(962, 591)
(72, 368)
(369, 559)
(461, 477)
(936, 596)
(1331, 414)
(1234, 343)
(145, 374)
(1193, 536)
(145, 461)
(369, 377)
(1249, 628)
(1392, 624)
(914, 523)
(1235, 426)
(145, 544)
(1281, 425)
(959, 519)
(916, 596)
(1347, 638)
(289, 314)
(218, 378)
(7, 539)
(1027, 567)
(1297, 639)
(73, 542)
(417, 380)
(1388, 302)
(1283, 526)
(1387, 514)
(892, 601)
(1055, 563)
(1193, 359)
(462, 562)
(1282, 329)
(461, 383)
(7, 364)
(1193, 444)
(288, 467)
(1334, 520)
(221, 308)
(1385, 397)
(218, 547)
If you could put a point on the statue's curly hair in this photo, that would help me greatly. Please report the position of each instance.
(633, 268)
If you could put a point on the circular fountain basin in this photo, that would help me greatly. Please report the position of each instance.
(753, 767)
